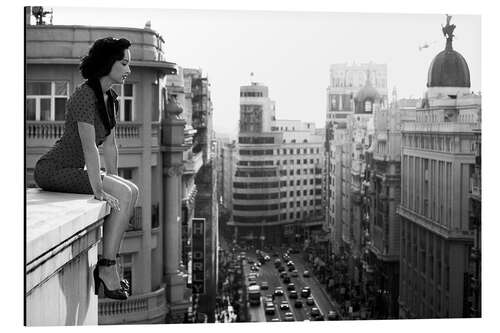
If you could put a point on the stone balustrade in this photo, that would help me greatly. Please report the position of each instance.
(62, 235)
(144, 308)
(46, 133)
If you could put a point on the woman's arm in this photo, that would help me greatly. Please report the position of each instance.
(110, 154)
(91, 155)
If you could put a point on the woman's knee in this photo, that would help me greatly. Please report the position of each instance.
(118, 189)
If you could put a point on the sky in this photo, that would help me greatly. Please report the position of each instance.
(291, 52)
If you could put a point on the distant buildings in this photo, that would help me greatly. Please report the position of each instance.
(277, 182)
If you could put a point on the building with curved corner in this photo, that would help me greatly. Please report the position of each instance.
(278, 177)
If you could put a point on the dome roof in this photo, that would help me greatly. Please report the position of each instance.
(448, 68)
(368, 92)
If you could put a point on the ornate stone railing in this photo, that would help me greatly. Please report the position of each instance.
(438, 127)
(62, 235)
(144, 308)
(46, 133)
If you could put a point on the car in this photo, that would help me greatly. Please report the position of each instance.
(298, 303)
(284, 305)
(275, 319)
(291, 286)
(277, 263)
(281, 269)
(293, 294)
(315, 312)
(291, 268)
(278, 292)
(289, 316)
(332, 315)
(310, 301)
(283, 274)
(258, 264)
(254, 268)
(264, 285)
(270, 309)
(295, 273)
(305, 292)
(252, 283)
(319, 318)
(286, 279)
(290, 263)
(269, 298)
(306, 274)
(267, 258)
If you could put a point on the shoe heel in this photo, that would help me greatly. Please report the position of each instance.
(97, 281)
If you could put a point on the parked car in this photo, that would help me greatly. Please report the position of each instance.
(279, 291)
(310, 301)
(298, 303)
(284, 306)
(293, 294)
(295, 273)
(291, 268)
(289, 316)
(283, 274)
(332, 315)
(286, 279)
(270, 309)
(306, 274)
(264, 285)
(315, 312)
(291, 286)
(275, 319)
(305, 292)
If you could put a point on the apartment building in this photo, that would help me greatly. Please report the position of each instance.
(438, 158)
(277, 182)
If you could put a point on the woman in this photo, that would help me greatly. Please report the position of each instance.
(90, 122)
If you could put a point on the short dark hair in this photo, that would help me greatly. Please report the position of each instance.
(102, 55)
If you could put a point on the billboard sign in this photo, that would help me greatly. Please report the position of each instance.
(198, 259)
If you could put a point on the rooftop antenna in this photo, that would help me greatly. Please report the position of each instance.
(39, 14)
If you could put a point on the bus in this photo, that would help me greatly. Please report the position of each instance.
(254, 295)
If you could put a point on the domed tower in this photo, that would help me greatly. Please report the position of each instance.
(448, 72)
(367, 98)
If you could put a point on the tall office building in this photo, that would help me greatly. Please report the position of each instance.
(438, 159)
(345, 82)
(277, 181)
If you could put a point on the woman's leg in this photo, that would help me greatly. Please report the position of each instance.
(114, 227)
(133, 188)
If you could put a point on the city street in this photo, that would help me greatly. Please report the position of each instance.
(268, 273)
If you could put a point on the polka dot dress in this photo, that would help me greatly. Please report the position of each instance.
(61, 169)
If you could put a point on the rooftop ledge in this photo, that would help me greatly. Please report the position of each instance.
(63, 231)
(54, 217)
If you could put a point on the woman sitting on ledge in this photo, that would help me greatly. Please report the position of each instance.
(90, 122)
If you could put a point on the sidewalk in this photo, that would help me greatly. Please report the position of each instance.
(333, 303)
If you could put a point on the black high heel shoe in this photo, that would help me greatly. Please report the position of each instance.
(124, 282)
(120, 294)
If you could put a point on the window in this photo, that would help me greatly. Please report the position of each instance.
(291, 172)
(125, 173)
(305, 161)
(311, 192)
(298, 172)
(304, 203)
(298, 161)
(298, 193)
(46, 100)
(291, 204)
(304, 192)
(291, 193)
(125, 102)
(291, 216)
(311, 181)
(297, 215)
(291, 182)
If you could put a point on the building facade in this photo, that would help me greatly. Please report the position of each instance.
(438, 157)
(155, 152)
(277, 182)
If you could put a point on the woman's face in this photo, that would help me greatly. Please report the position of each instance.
(120, 69)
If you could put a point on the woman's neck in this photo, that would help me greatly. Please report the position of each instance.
(105, 83)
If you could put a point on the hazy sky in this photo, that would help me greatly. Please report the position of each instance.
(291, 52)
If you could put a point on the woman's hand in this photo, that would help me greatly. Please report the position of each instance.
(111, 200)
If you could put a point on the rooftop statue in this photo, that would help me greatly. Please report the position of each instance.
(448, 28)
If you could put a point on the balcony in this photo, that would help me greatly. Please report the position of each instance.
(62, 235)
(193, 165)
(451, 127)
(149, 308)
(475, 186)
(46, 133)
